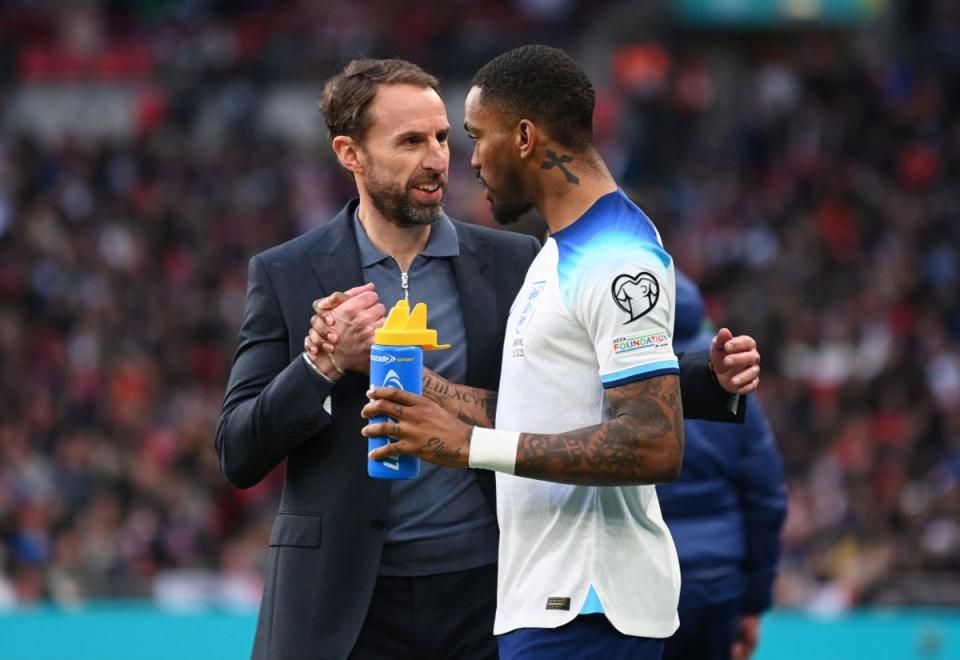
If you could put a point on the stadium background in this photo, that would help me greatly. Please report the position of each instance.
(801, 158)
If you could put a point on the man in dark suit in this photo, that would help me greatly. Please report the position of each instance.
(352, 557)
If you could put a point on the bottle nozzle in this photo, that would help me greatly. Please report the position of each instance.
(408, 328)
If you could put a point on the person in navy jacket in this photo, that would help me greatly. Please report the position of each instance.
(725, 513)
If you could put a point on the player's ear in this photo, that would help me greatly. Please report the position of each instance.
(348, 153)
(526, 139)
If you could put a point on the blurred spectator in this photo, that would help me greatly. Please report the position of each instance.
(725, 512)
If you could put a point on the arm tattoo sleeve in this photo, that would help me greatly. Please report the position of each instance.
(472, 405)
(641, 444)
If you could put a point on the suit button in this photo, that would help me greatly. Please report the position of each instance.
(377, 523)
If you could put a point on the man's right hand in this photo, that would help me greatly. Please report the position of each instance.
(343, 326)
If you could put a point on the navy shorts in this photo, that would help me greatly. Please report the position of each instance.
(587, 636)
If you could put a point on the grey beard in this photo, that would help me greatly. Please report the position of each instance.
(397, 207)
(404, 214)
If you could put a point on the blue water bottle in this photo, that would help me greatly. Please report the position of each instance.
(396, 360)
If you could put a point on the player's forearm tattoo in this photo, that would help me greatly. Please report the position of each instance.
(490, 407)
(442, 451)
(643, 443)
(475, 406)
(553, 160)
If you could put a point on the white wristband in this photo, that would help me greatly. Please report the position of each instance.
(491, 449)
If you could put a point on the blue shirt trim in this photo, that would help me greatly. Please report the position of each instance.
(642, 372)
(592, 604)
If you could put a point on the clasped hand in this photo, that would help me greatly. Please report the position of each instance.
(343, 327)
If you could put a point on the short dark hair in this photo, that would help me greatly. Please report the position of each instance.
(348, 95)
(544, 85)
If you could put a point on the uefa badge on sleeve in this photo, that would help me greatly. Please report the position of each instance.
(635, 294)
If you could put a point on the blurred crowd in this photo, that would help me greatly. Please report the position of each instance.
(821, 213)
(810, 184)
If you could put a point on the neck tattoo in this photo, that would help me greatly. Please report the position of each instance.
(553, 160)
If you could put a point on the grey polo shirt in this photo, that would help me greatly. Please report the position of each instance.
(439, 522)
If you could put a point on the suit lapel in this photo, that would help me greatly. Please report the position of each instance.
(474, 271)
(335, 259)
(334, 256)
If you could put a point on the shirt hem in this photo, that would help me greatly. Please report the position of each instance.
(654, 630)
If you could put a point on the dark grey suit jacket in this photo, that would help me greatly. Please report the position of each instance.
(327, 540)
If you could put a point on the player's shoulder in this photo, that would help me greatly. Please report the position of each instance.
(613, 222)
(613, 235)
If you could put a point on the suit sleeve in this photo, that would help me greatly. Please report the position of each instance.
(764, 502)
(272, 404)
(702, 396)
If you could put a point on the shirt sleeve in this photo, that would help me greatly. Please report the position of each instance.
(625, 301)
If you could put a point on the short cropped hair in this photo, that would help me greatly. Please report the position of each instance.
(348, 95)
(544, 85)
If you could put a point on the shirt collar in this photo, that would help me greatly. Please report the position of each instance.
(443, 241)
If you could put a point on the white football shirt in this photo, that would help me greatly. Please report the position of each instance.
(595, 312)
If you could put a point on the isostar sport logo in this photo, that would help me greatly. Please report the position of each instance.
(392, 379)
(635, 294)
(389, 359)
(628, 344)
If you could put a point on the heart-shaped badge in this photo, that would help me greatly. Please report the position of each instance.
(635, 294)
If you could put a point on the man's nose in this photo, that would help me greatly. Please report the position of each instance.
(438, 159)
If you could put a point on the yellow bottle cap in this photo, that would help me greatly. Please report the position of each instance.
(406, 328)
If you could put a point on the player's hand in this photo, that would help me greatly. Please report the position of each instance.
(748, 634)
(735, 361)
(422, 428)
(343, 326)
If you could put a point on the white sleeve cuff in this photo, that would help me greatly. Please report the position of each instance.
(491, 449)
(733, 404)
